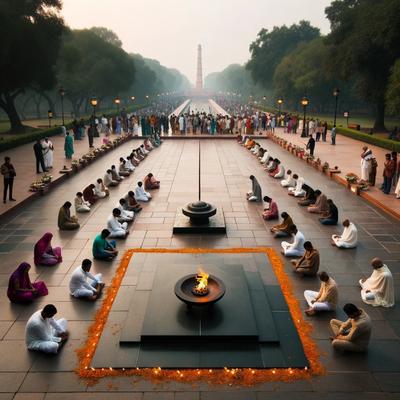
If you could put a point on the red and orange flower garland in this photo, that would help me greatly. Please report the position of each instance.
(226, 376)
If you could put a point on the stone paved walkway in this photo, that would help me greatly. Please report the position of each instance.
(346, 155)
(227, 167)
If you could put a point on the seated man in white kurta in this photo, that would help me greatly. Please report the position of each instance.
(141, 194)
(126, 215)
(44, 333)
(298, 190)
(348, 239)
(100, 190)
(108, 179)
(288, 181)
(265, 157)
(281, 172)
(295, 249)
(378, 289)
(85, 285)
(116, 228)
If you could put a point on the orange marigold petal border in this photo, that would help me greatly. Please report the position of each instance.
(226, 376)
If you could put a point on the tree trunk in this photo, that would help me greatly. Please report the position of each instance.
(379, 124)
(7, 104)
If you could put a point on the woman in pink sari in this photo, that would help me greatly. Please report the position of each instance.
(44, 254)
(20, 287)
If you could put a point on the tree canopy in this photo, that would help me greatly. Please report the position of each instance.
(31, 32)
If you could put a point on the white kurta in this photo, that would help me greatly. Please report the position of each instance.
(48, 154)
(298, 191)
(117, 229)
(366, 166)
(129, 165)
(141, 194)
(380, 286)
(41, 334)
(82, 283)
(348, 239)
(81, 205)
(288, 181)
(108, 180)
(126, 215)
(295, 249)
(98, 190)
(281, 172)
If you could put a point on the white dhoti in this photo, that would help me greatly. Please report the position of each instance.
(119, 233)
(291, 252)
(310, 295)
(49, 346)
(86, 292)
(341, 243)
(82, 209)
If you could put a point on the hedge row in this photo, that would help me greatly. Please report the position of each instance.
(371, 139)
(31, 137)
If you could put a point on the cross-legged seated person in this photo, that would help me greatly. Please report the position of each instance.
(150, 182)
(295, 249)
(141, 194)
(324, 300)
(102, 248)
(283, 229)
(308, 198)
(378, 289)
(108, 179)
(307, 265)
(100, 190)
(115, 174)
(298, 190)
(44, 333)
(354, 334)
(255, 194)
(44, 253)
(130, 202)
(21, 289)
(116, 228)
(126, 215)
(288, 181)
(270, 212)
(331, 216)
(279, 172)
(85, 285)
(123, 169)
(66, 221)
(88, 194)
(348, 239)
(81, 205)
(321, 204)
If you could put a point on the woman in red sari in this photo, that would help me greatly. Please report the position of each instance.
(20, 287)
(44, 254)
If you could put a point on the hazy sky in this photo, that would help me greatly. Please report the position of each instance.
(170, 30)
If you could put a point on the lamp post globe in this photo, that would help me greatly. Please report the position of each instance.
(117, 101)
(304, 103)
(93, 103)
(280, 102)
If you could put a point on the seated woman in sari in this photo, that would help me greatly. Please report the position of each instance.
(150, 182)
(44, 254)
(20, 287)
(102, 248)
(66, 222)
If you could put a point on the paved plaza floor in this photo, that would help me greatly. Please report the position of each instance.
(226, 168)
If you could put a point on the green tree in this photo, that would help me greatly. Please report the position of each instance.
(269, 48)
(364, 44)
(31, 33)
(393, 90)
(107, 35)
(88, 65)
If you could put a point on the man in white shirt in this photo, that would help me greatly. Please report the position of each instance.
(288, 181)
(85, 285)
(108, 179)
(141, 194)
(126, 215)
(295, 249)
(44, 333)
(298, 190)
(116, 228)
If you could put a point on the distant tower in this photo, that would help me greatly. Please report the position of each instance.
(199, 79)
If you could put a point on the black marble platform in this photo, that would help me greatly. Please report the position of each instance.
(250, 327)
(183, 224)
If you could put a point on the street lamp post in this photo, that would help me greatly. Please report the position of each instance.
(93, 103)
(133, 98)
(62, 94)
(117, 101)
(280, 102)
(304, 103)
(336, 93)
(265, 101)
(50, 115)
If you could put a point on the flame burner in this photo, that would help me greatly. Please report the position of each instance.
(187, 290)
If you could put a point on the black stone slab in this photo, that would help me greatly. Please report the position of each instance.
(168, 317)
(183, 224)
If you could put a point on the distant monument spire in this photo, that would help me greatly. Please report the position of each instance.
(199, 79)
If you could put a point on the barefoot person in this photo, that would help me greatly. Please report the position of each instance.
(307, 265)
(348, 239)
(324, 300)
(85, 285)
(44, 333)
(255, 193)
(102, 248)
